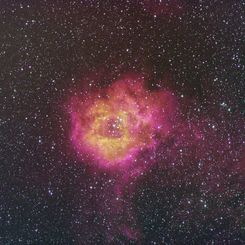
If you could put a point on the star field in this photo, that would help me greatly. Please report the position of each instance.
(188, 188)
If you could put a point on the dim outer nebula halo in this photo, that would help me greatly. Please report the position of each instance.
(111, 126)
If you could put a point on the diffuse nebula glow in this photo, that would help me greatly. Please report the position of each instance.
(113, 125)
(118, 129)
(125, 128)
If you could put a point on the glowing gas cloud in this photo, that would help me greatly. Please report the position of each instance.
(113, 125)
(118, 129)
(124, 128)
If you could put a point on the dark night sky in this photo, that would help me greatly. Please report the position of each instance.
(53, 49)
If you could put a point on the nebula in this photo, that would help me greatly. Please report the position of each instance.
(165, 8)
(114, 125)
(118, 129)
(126, 129)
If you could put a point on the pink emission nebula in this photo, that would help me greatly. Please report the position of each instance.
(118, 129)
(114, 125)
(124, 130)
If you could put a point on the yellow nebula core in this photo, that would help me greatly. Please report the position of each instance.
(112, 133)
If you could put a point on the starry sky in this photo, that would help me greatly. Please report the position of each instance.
(188, 188)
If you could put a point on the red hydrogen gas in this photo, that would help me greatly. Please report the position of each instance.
(113, 125)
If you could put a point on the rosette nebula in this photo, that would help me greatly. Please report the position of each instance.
(118, 129)
(113, 125)
(122, 122)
